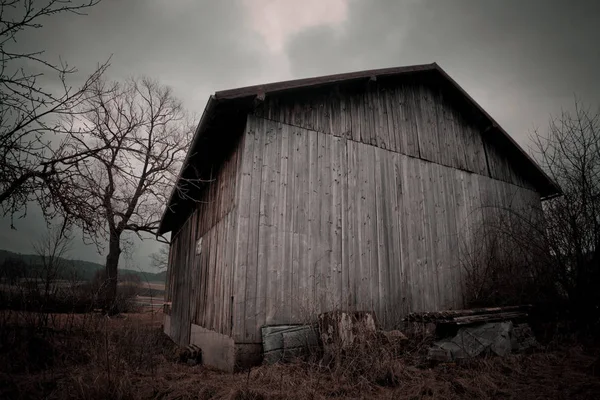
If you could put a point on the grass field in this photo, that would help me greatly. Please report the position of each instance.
(90, 356)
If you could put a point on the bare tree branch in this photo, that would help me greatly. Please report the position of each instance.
(31, 139)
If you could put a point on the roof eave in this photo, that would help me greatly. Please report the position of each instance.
(309, 83)
(200, 129)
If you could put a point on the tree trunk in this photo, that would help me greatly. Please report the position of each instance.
(112, 264)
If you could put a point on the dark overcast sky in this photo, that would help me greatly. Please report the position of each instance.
(522, 60)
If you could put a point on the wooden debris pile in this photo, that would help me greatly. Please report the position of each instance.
(334, 333)
(467, 333)
(472, 316)
(287, 342)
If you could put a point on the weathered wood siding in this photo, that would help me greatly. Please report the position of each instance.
(199, 283)
(360, 202)
(415, 119)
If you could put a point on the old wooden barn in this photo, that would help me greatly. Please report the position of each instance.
(351, 191)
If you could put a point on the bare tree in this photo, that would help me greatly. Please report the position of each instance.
(160, 258)
(52, 248)
(143, 135)
(570, 153)
(554, 256)
(31, 140)
(505, 258)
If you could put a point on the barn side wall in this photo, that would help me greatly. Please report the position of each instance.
(200, 273)
(360, 203)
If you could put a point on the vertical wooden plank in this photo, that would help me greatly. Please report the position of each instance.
(176, 306)
(368, 135)
(289, 225)
(422, 177)
(275, 261)
(382, 243)
(214, 278)
(336, 153)
(390, 113)
(371, 231)
(344, 232)
(208, 287)
(345, 116)
(228, 250)
(332, 115)
(206, 278)
(389, 267)
(305, 156)
(462, 230)
(426, 215)
(412, 240)
(287, 110)
(353, 224)
(368, 214)
(446, 151)
(401, 99)
(219, 281)
(212, 284)
(324, 239)
(442, 223)
(401, 233)
(266, 273)
(362, 213)
(381, 122)
(309, 113)
(298, 111)
(254, 213)
(416, 238)
(242, 231)
(314, 223)
(462, 146)
(433, 217)
(411, 117)
(453, 241)
(284, 267)
(443, 212)
(199, 316)
(323, 114)
(226, 293)
(427, 125)
(356, 115)
(194, 264)
(300, 216)
(476, 149)
(440, 232)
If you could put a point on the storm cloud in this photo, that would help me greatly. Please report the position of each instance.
(521, 60)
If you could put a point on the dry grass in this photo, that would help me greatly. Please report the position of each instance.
(129, 358)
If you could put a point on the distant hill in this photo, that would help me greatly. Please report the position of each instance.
(84, 270)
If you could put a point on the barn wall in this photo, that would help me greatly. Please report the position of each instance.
(412, 118)
(327, 221)
(199, 277)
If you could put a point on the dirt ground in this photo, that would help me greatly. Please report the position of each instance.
(94, 357)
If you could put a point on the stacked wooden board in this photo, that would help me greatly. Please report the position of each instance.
(471, 316)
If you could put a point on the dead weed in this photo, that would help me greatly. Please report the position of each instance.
(130, 358)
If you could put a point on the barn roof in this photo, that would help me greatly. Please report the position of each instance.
(225, 114)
